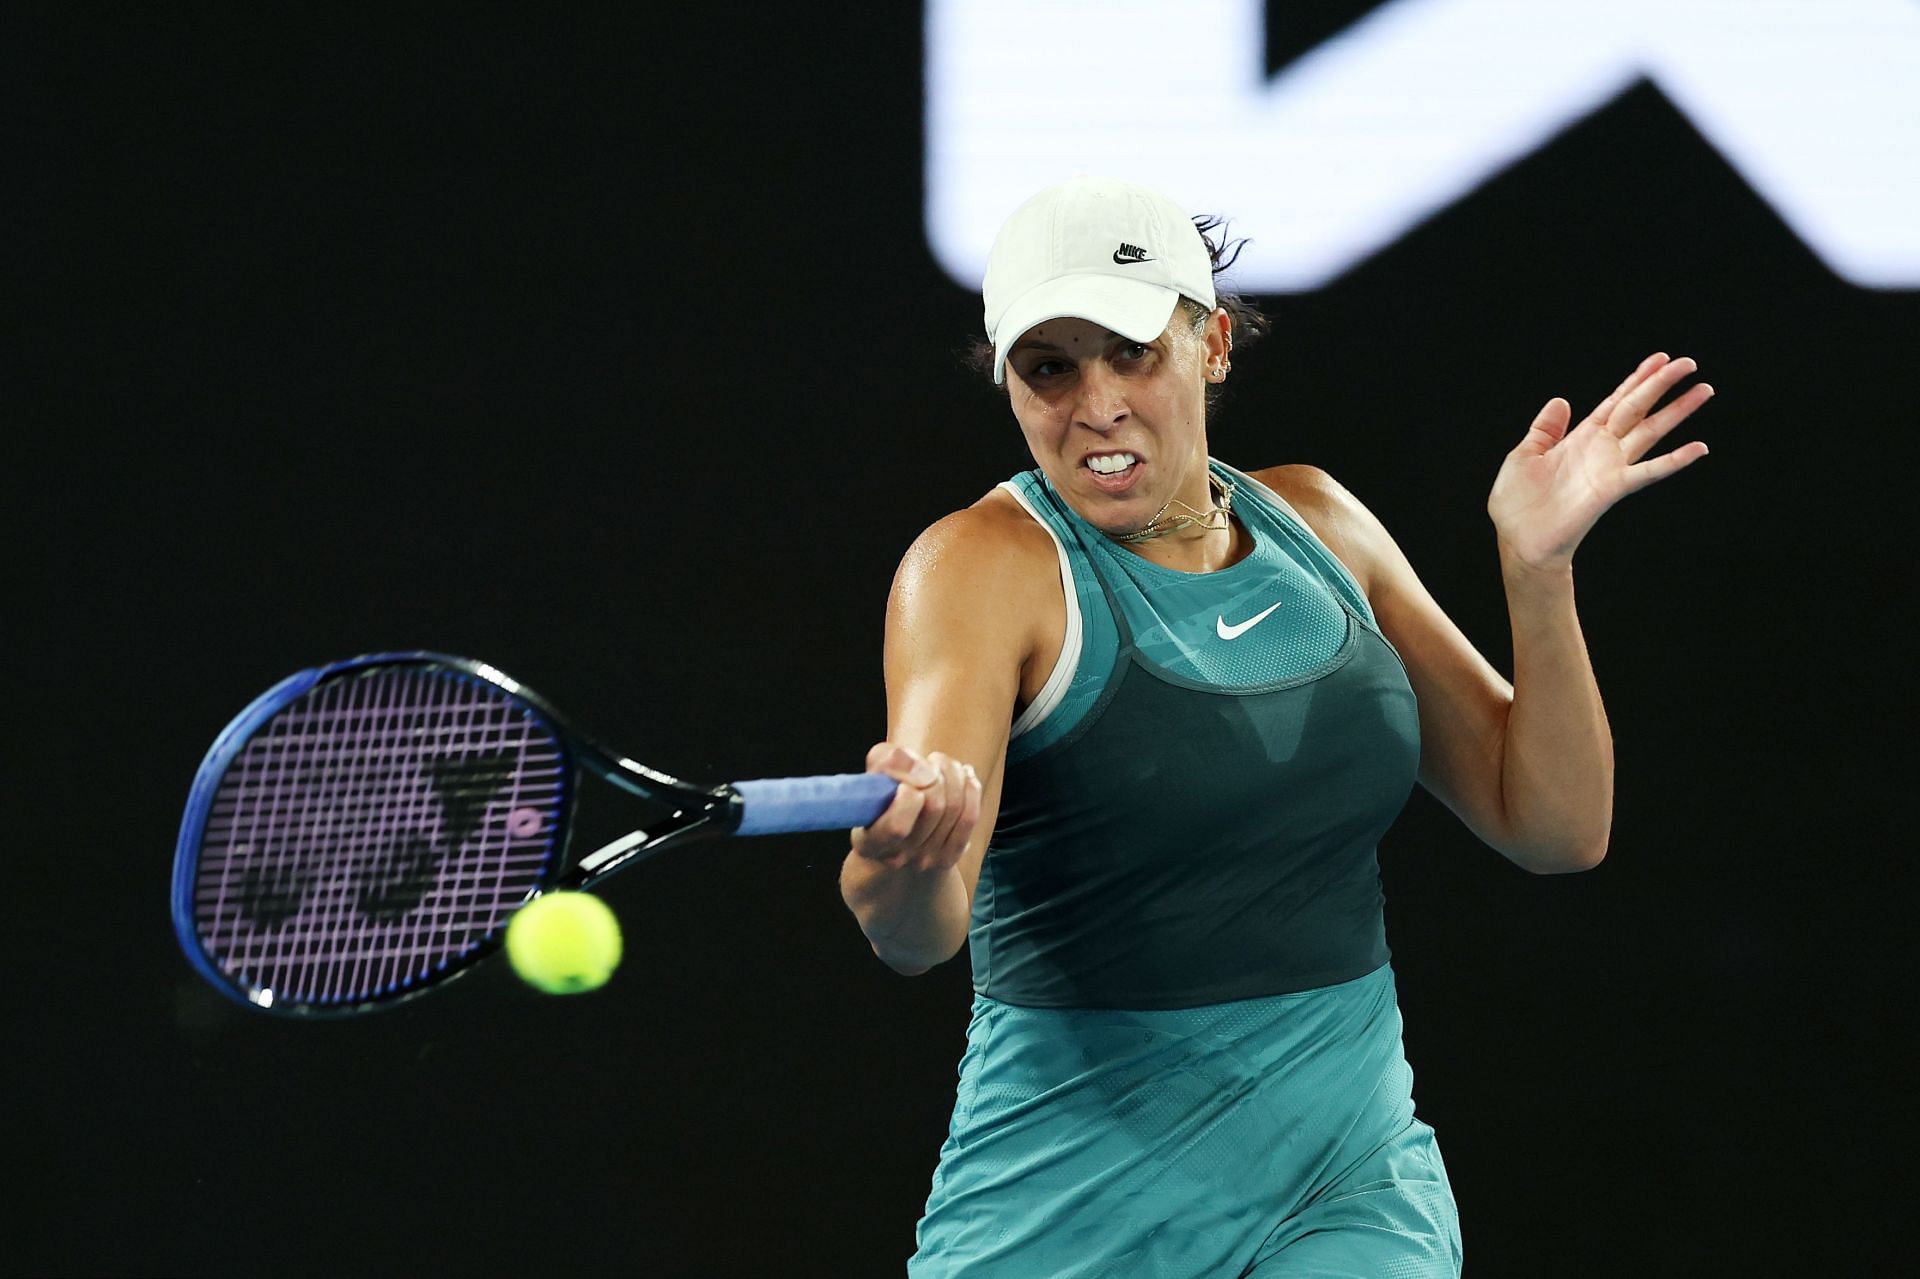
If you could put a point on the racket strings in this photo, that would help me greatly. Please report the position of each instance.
(376, 830)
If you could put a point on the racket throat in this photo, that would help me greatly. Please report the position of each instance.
(607, 856)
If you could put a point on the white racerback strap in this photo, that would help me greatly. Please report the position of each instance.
(1062, 675)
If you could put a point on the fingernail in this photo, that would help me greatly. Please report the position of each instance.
(923, 774)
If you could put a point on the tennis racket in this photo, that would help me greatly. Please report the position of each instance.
(364, 830)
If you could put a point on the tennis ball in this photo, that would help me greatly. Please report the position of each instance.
(564, 943)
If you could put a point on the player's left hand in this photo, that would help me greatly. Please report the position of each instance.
(1556, 483)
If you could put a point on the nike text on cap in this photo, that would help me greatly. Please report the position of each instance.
(1097, 249)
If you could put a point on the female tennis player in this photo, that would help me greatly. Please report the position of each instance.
(1151, 715)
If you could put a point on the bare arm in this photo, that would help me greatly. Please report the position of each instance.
(1556, 771)
(1557, 774)
(1498, 755)
(959, 637)
(1528, 766)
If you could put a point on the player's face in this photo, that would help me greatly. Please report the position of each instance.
(1118, 426)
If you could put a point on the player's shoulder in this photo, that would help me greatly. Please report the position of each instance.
(1305, 488)
(1336, 516)
(994, 535)
(985, 561)
(982, 584)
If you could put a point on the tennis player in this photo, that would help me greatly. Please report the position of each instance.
(1152, 715)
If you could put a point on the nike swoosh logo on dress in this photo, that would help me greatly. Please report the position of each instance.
(1241, 628)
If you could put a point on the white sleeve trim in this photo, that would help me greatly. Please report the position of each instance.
(1055, 689)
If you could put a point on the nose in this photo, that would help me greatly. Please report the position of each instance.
(1101, 403)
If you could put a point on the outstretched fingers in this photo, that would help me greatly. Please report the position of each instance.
(1634, 406)
(1639, 428)
(1649, 431)
(1644, 370)
(1655, 469)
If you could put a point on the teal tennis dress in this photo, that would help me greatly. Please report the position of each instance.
(1185, 1054)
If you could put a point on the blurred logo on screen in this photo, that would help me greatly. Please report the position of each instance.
(1816, 104)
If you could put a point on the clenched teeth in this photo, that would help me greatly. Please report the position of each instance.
(1111, 463)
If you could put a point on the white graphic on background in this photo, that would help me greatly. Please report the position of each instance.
(1816, 103)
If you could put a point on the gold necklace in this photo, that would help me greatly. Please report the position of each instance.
(1216, 518)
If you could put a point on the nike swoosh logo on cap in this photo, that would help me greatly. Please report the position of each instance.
(1128, 254)
(1241, 628)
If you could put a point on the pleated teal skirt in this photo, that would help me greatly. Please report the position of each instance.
(1263, 1137)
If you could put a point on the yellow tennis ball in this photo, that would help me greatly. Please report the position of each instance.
(564, 943)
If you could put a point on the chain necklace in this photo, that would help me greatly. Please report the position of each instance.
(1159, 527)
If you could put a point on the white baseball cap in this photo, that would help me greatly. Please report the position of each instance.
(1097, 249)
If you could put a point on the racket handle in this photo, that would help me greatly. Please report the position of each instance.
(781, 804)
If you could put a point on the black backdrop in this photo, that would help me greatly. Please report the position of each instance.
(609, 349)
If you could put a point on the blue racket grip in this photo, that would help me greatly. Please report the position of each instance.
(843, 800)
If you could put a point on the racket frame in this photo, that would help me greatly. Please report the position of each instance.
(696, 813)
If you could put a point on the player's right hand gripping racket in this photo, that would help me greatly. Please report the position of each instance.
(364, 830)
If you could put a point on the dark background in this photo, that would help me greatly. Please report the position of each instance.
(609, 349)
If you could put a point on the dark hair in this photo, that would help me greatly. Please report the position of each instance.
(1248, 322)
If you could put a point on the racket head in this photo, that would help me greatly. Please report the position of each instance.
(365, 830)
